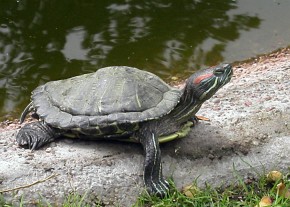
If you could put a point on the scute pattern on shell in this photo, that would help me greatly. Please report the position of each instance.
(111, 95)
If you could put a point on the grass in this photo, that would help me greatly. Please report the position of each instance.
(246, 192)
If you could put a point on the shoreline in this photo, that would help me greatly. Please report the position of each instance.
(242, 68)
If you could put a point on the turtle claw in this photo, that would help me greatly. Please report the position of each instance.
(36, 134)
(34, 146)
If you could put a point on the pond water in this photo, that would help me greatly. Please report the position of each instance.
(49, 39)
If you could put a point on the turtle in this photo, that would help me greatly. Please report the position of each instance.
(121, 103)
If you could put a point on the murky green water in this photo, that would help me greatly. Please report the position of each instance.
(49, 39)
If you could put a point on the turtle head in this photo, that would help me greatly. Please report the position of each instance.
(205, 83)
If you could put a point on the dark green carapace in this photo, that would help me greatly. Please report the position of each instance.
(121, 103)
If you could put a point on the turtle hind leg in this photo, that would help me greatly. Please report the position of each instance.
(36, 134)
(153, 178)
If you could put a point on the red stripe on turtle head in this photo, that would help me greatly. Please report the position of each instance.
(201, 78)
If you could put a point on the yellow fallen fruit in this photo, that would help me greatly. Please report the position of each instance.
(274, 176)
(265, 201)
(190, 190)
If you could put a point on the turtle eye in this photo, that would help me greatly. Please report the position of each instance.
(219, 71)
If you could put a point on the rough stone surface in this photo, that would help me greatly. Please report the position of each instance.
(248, 131)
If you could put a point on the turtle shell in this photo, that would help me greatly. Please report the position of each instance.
(110, 96)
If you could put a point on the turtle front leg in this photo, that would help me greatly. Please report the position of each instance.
(153, 178)
(36, 134)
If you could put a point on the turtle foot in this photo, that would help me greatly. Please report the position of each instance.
(36, 134)
(159, 188)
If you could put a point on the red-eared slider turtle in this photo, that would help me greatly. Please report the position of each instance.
(121, 103)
